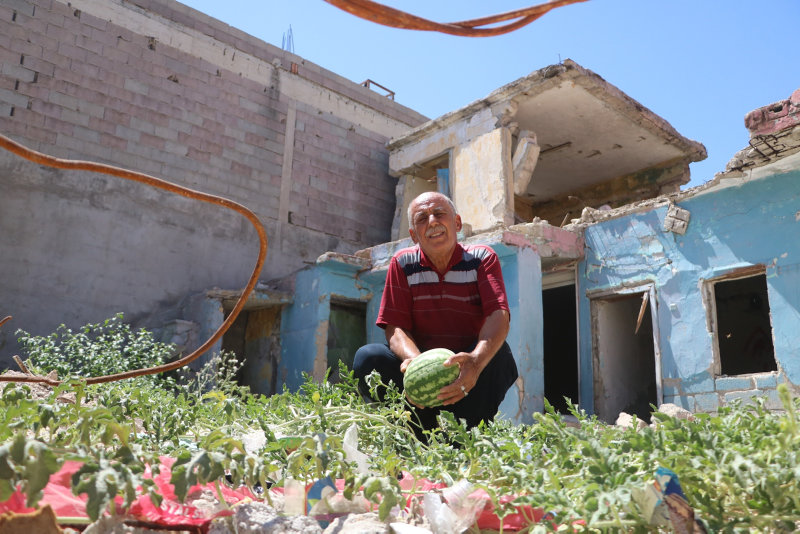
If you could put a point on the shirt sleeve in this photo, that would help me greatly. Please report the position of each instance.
(491, 286)
(396, 300)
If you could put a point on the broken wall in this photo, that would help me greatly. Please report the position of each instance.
(735, 229)
(156, 87)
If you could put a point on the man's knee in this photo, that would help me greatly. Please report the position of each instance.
(373, 357)
(376, 357)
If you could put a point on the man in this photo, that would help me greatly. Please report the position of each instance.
(441, 294)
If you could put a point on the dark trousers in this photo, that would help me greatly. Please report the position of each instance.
(480, 405)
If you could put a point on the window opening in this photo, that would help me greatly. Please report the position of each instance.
(560, 333)
(744, 331)
(347, 331)
(625, 375)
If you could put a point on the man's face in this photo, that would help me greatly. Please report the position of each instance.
(435, 226)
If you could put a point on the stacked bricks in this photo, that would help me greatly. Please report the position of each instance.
(76, 86)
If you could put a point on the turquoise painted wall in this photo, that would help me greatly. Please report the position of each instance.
(522, 275)
(303, 323)
(753, 223)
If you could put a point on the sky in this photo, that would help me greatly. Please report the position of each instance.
(700, 64)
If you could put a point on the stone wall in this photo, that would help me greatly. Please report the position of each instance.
(157, 87)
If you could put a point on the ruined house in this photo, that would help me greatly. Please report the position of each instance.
(625, 291)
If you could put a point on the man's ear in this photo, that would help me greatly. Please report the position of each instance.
(413, 235)
(458, 222)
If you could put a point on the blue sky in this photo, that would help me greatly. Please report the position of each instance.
(700, 64)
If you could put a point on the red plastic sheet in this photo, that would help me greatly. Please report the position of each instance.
(172, 512)
(58, 494)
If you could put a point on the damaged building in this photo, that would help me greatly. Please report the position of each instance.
(625, 291)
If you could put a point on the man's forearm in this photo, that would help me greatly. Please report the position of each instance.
(491, 337)
(401, 343)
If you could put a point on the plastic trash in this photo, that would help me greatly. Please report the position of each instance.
(663, 503)
(351, 452)
(456, 513)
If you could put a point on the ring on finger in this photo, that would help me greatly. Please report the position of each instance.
(464, 390)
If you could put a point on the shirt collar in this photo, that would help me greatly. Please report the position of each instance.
(458, 254)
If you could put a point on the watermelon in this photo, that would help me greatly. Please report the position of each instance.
(426, 375)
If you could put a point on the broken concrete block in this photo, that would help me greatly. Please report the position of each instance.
(626, 420)
(676, 220)
(775, 117)
(524, 161)
(673, 410)
(588, 215)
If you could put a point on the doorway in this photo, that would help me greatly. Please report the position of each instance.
(254, 337)
(347, 331)
(626, 357)
(560, 339)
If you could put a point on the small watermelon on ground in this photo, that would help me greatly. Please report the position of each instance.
(426, 375)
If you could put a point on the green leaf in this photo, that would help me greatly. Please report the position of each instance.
(40, 463)
(6, 471)
(7, 489)
(18, 449)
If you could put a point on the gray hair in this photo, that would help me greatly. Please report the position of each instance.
(449, 202)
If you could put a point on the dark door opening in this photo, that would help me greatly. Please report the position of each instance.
(624, 358)
(347, 331)
(254, 338)
(560, 346)
(744, 332)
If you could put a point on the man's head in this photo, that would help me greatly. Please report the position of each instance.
(434, 224)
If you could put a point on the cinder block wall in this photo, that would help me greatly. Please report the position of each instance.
(157, 87)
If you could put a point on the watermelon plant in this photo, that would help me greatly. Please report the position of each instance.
(739, 468)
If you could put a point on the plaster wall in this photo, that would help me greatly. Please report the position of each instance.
(156, 87)
(482, 180)
(456, 131)
(304, 323)
(409, 187)
(522, 275)
(730, 229)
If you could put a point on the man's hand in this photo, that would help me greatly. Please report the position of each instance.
(491, 337)
(467, 378)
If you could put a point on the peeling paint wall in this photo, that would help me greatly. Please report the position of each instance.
(732, 228)
(304, 323)
(481, 180)
(522, 275)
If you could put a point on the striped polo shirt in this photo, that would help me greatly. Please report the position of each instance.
(443, 310)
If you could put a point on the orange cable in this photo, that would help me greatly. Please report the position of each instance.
(389, 16)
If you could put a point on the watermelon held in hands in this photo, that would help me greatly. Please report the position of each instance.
(426, 375)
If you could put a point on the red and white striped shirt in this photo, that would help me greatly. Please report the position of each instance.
(443, 310)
